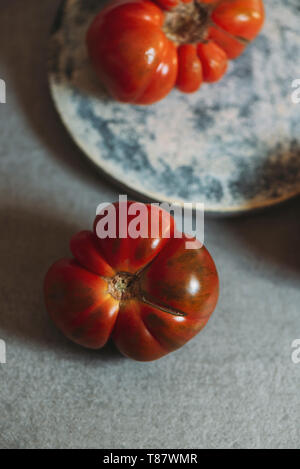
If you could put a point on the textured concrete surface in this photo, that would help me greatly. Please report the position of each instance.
(235, 385)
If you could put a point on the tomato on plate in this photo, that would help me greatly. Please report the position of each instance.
(150, 292)
(141, 49)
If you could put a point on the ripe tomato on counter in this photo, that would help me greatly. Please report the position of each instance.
(141, 49)
(150, 294)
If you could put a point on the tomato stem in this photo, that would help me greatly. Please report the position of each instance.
(187, 23)
(123, 285)
(164, 308)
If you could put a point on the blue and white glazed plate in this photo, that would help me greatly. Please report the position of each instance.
(234, 145)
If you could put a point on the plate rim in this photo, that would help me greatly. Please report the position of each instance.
(213, 210)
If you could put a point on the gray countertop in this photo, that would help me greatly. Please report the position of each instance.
(233, 386)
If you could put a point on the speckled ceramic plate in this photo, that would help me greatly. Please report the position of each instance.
(234, 145)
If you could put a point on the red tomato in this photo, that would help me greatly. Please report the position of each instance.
(141, 49)
(190, 75)
(214, 61)
(150, 294)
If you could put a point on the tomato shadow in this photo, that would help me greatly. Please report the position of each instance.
(29, 242)
(267, 240)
